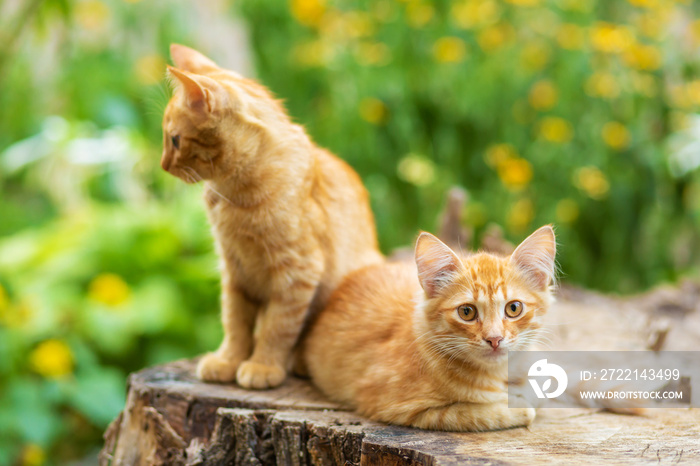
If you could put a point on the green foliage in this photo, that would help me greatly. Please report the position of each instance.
(557, 112)
(580, 113)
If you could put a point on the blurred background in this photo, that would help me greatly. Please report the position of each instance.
(581, 113)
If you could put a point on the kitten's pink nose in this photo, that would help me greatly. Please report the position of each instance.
(494, 341)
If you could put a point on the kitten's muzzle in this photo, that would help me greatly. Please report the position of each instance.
(494, 341)
(165, 161)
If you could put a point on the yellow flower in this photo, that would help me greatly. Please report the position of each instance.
(643, 57)
(471, 13)
(515, 173)
(92, 14)
(679, 96)
(593, 182)
(644, 3)
(650, 25)
(567, 211)
(372, 53)
(308, 12)
(358, 24)
(555, 129)
(695, 30)
(17, 315)
(332, 26)
(449, 50)
(611, 38)
(616, 135)
(644, 84)
(498, 154)
(313, 53)
(33, 455)
(416, 169)
(535, 55)
(52, 359)
(494, 37)
(571, 37)
(692, 92)
(603, 85)
(4, 300)
(373, 110)
(109, 289)
(545, 22)
(149, 69)
(419, 13)
(524, 2)
(543, 95)
(520, 215)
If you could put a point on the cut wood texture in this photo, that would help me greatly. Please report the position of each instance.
(172, 418)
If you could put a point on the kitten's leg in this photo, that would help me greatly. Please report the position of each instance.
(238, 317)
(279, 328)
(472, 417)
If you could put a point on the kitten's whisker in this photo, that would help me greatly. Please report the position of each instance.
(196, 176)
(219, 194)
(189, 177)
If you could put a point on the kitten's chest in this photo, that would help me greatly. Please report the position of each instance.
(245, 234)
(467, 386)
(257, 245)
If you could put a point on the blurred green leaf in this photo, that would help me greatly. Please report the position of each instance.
(99, 394)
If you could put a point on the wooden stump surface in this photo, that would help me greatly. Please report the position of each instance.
(172, 418)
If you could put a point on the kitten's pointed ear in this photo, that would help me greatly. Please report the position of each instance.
(535, 257)
(436, 263)
(189, 59)
(197, 97)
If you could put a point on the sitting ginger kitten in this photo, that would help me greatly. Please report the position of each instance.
(289, 219)
(429, 349)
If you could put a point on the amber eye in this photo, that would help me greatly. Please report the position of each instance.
(514, 308)
(176, 141)
(467, 312)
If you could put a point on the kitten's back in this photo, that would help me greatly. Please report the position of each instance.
(350, 221)
(371, 309)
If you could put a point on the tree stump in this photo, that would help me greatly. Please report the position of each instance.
(172, 418)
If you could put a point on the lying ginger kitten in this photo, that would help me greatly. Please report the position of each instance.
(429, 349)
(289, 219)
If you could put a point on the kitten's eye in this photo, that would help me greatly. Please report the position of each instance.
(176, 141)
(467, 312)
(514, 308)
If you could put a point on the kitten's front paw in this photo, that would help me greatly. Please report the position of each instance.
(521, 417)
(255, 375)
(216, 368)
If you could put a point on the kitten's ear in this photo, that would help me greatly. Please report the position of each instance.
(535, 257)
(189, 59)
(436, 263)
(196, 95)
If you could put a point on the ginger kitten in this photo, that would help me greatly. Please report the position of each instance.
(426, 346)
(289, 219)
